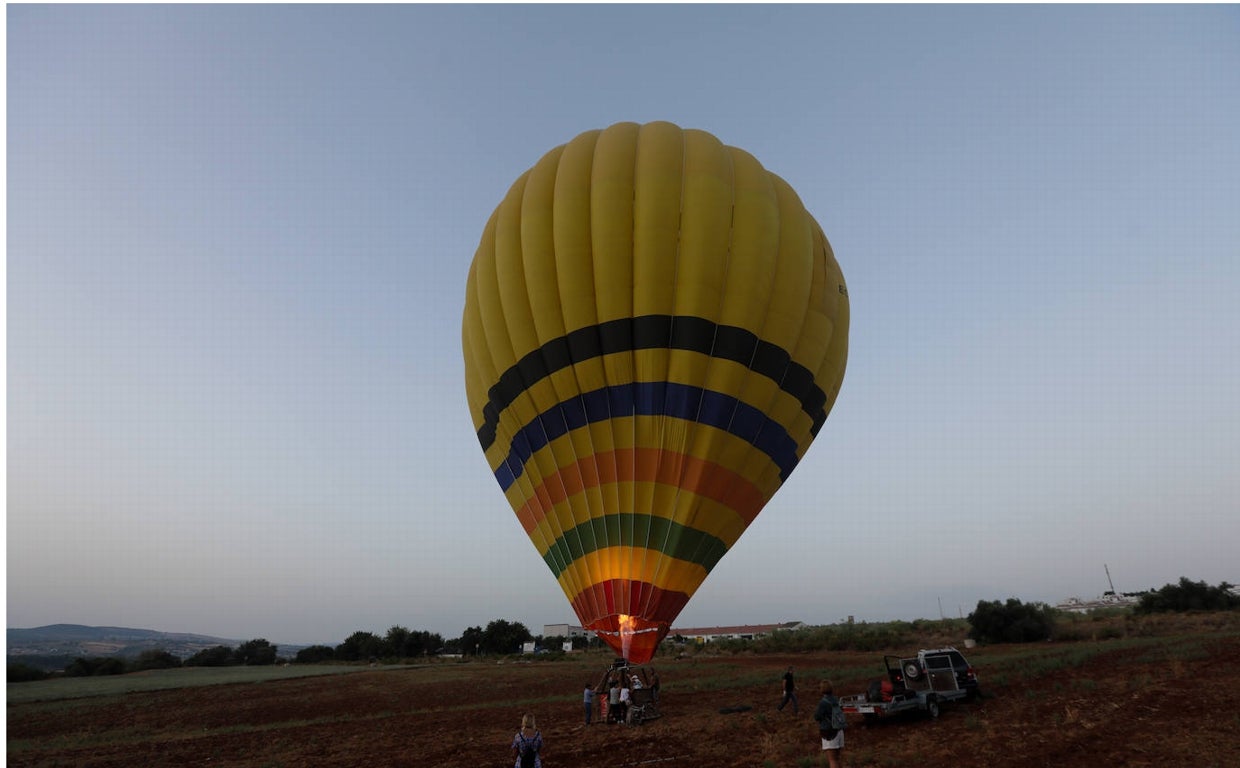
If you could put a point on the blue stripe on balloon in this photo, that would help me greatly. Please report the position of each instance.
(659, 398)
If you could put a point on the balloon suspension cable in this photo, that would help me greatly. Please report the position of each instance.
(625, 632)
(632, 637)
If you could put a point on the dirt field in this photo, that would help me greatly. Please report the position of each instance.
(1167, 694)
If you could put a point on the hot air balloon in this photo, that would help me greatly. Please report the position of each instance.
(655, 330)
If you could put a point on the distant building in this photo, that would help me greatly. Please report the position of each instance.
(1108, 600)
(740, 632)
(566, 631)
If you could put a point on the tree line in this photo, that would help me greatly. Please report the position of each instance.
(256, 652)
(1010, 621)
(1190, 596)
(499, 637)
(1017, 622)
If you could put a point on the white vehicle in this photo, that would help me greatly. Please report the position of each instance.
(916, 683)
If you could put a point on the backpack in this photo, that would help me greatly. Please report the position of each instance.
(838, 721)
(528, 754)
(833, 722)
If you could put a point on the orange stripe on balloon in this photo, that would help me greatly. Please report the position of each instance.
(704, 478)
(534, 509)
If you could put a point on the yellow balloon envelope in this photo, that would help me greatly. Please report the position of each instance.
(655, 330)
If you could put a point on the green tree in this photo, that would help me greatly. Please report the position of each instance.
(422, 643)
(1189, 596)
(1011, 622)
(396, 640)
(471, 641)
(405, 643)
(256, 653)
(502, 636)
(315, 654)
(217, 656)
(156, 658)
(360, 646)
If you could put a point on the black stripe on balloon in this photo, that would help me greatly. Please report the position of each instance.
(694, 334)
(659, 398)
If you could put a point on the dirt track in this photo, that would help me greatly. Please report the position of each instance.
(1165, 701)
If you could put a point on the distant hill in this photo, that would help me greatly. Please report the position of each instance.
(72, 640)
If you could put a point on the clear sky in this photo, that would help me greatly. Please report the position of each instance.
(238, 238)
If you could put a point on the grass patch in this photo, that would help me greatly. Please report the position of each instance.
(165, 679)
(134, 736)
(1183, 649)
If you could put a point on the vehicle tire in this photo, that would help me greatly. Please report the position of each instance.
(869, 718)
(912, 671)
(932, 708)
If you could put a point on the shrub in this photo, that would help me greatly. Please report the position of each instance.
(1110, 632)
(219, 656)
(1071, 632)
(94, 667)
(1189, 596)
(256, 653)
(24, 673)
(314, 654)
(156, 658)
(360, 646)
(1010, 622)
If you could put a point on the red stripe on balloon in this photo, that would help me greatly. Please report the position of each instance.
(597, 602)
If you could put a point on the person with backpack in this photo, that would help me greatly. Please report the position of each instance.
(527, 744)
(831, 724)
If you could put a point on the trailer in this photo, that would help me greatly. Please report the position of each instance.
(920, 683)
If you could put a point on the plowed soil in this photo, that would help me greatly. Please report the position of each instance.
(1170, 699)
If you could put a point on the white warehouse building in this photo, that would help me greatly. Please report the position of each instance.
(567, 631)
